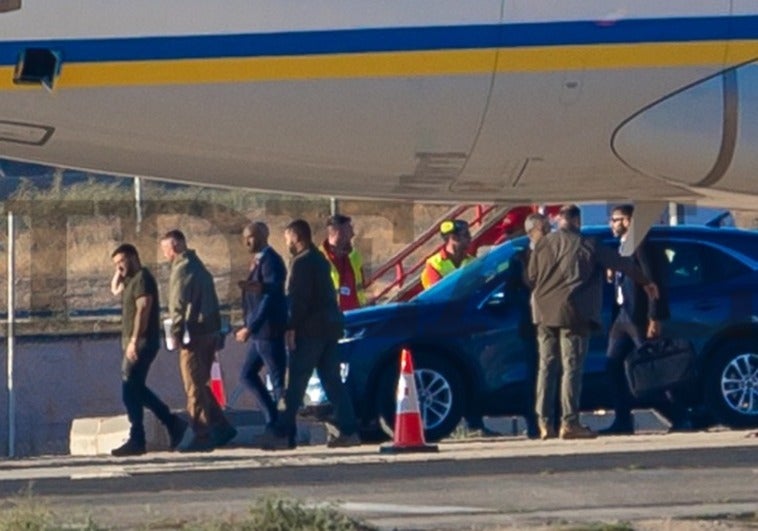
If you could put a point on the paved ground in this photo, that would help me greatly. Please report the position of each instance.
(653, 480)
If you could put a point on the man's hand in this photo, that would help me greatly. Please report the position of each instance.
(652, 290)
(289, 340)
(653, 329)
(131, 351)
(242, 335)
(117, 283)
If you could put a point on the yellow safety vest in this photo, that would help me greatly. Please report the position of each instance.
(356, 264)
(443, 265)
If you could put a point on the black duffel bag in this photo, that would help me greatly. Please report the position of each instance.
(659, 365)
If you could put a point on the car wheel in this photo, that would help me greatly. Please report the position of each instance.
(731, 385)
(440, 394)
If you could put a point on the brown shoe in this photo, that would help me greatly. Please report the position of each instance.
(576, 431)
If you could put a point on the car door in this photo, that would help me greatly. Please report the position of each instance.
(500, 345)
(703, 282)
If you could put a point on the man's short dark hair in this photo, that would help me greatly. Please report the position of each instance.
(301, 229)
(570, 212)
(626, 210)
(175, 235)
(337, 220)
(127, 249)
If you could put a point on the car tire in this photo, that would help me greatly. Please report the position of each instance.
(731, 377)
(441, 395)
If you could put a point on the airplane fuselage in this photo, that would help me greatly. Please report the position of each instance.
(496, 100)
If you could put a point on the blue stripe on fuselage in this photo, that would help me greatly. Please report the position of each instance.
(392, 39)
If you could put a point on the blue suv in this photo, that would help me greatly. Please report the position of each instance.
(470, 358)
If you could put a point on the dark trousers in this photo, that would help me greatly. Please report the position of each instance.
(623, 338)
(323, 356)
(271, 354)
(195, 361)
(136, 395)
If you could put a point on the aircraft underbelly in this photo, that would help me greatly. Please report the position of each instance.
(372, 130)
(410, 137)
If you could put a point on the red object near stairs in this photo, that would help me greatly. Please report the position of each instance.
(490, 225)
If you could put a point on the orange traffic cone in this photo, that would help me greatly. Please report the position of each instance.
(217, 383)
(409, 428)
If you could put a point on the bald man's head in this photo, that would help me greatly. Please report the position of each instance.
(255, 236)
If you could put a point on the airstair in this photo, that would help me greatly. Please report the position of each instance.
(400, 276)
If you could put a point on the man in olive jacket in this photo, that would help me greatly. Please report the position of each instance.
(196, 324)
(567, 271)
(314, 326)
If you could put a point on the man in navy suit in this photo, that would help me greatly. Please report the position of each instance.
(636, 318)
(265, 310)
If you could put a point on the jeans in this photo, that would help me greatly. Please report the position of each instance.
(272, 354)
(322, 355)
(136, 395)
(560, 348)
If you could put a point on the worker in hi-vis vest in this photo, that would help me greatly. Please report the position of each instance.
(452, 256)
(346, 263)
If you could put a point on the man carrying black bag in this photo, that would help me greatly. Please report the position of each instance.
(636, 318)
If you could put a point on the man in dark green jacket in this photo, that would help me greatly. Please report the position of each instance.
(140, 340)
(196, 323)
(314, 327)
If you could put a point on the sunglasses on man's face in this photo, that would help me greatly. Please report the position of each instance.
(617, 220)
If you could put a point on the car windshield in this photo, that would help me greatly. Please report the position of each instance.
(479, 273)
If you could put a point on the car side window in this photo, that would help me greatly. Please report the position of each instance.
(720, 267)
(685, 267)
(693, 264)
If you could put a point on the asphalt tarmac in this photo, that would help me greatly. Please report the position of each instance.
(699, 480)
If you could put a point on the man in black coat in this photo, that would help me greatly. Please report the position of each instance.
(265, 311)
(314, 327)
(636, 318)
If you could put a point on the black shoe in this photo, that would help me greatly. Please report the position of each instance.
(618, 428)
(343, 441)
(129, 448)
(176, 431)
(198, 445)
(271, 440)
(223, 435)
(532, 432)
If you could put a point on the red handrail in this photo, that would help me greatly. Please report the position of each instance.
(398, 258)
(396, 261)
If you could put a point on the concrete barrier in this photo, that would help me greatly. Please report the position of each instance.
(59, 379)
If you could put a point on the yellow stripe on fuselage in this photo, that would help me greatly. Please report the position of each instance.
(399, 64)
